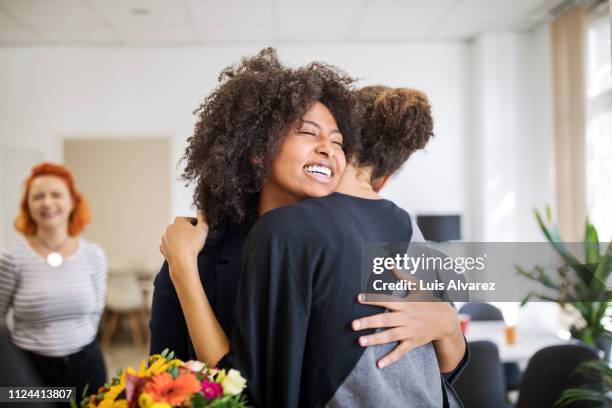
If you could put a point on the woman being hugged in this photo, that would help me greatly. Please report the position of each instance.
(55, 283)
(301, 158)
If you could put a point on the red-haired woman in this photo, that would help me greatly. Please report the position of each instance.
(55, 283)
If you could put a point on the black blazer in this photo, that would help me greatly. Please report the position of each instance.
(219, 269)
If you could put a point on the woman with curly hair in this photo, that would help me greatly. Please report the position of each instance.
(272, 298)
(241, 126)
(55, 283)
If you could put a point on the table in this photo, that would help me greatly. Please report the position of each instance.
(528, 342)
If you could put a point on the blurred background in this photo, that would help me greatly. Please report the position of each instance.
(521, 93)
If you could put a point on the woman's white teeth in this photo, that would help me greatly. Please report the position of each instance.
(318, 169)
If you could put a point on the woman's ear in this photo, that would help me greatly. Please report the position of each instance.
(380, 182)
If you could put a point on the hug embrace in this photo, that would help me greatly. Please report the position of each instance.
(287, 165)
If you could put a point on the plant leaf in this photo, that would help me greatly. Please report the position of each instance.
(591, 244)
(554, 238)
(525, 299)
(579, 394)
(602, 272)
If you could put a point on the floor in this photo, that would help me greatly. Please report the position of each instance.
(122, 352)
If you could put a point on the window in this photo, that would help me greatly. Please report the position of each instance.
(599, 125)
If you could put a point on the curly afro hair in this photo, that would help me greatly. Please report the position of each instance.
(396, 122)
(243, 122)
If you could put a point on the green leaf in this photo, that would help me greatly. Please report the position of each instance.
(548, 214)
(165, 352)
(554, 237)
(198, 401)
(174, 372)
(595, 365)
(525, 299)
(549, 234)
(85, 389)
(579, 394)
(591, 244)
(602, 272)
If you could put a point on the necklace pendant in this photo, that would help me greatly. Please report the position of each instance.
(55, 259)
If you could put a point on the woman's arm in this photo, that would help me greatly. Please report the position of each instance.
(413, 324)
(441, 325)
(207, 335)
(168, 326)
(450, 350)
(99, 277)
(180, 246)
(8, 283)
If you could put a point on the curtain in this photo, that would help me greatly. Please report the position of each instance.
(568, 46)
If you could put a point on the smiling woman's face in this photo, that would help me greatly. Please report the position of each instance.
(49, 202)
(310, 161)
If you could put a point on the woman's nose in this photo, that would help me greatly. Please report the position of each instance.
(47, 201)
(325, 147)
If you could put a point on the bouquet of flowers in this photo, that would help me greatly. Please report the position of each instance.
(162, 381)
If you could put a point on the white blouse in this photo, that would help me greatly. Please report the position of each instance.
(56, 310)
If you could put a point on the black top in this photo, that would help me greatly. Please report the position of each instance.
(300, 276)
(219, 269)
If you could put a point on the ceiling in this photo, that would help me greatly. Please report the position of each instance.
(209, 22)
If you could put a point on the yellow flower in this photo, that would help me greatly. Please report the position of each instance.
(233, 383)
(145, 400)
(113, 392)
(120, 404)
(160, 365)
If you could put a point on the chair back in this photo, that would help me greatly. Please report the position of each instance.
(482, 312)
(124, 293)
(551, 371)
(482, 383)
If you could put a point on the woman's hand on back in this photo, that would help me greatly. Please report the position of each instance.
(410, 322)
(182, 242)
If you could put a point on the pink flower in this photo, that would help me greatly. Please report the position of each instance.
(211, 389)
(133, 387)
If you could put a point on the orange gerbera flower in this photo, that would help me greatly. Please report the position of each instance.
(164, 388)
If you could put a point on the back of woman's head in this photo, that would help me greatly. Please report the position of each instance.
(242, 124)
(395, 123)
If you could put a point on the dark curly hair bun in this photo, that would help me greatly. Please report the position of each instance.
(396, 122)
(242, 123)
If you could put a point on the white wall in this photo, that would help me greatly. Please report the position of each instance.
(511, 159)
(52, 93)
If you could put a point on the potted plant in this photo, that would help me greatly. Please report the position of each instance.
(580, 285)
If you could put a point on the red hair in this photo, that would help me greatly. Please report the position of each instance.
(80, 216)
